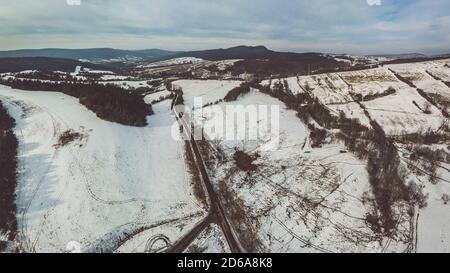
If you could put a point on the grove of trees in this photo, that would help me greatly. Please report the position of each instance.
(108, 102)
(8, 174)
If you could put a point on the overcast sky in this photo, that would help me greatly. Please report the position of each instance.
(339, 26)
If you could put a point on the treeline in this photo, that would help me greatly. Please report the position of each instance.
(421, 92)
(371, 144)
(428, 137)
(414, 60)
(46, 76)
(108, 102)
(234, 93)
(8, 174)
(44, 64)
(370, 97)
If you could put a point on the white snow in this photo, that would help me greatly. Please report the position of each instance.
(149, 99)
(119, 180)
(113, 77)
(210, 91)
(27, 72)
(371, 81)
(290, 178)
(116, 179)
(127, 84)
(419, 75)
(352, 110)
(175, 61)
(397, 113)
(77, 71)
(93, 71)
(434, 220)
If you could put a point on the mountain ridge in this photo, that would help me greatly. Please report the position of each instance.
(89, 54)
(111, 55)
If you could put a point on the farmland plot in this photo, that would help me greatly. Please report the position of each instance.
(292, 198)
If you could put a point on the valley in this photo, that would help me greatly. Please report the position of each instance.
(355, 158)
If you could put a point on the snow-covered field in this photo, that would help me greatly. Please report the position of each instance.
(398, 113)
(371, 81)
(149, 99)
(434, 220)
(114, 180)
(128, 84)
(113, 78)
(423, 75)
(405, 111)
(329, 88)
(299, 199)
(402, 113)
(210, 91)
(176, 61)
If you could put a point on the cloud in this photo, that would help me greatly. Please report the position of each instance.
(374, 2)
(73, 2)
(321, 25)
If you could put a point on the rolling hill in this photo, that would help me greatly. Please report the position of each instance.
(98, 55)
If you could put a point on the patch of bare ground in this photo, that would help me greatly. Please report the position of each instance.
(69, 137)
(444, 101)
(362, 78)
(197, 186)
(246, 225)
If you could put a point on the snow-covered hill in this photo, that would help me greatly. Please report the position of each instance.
(111, 182)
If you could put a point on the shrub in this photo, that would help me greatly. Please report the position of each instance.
(68, 137)
(445, 198)
(417, 195)
(244, 161)
(317, 136)
(388, 92)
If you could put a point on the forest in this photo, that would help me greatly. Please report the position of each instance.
(8, 174)
(108, 102)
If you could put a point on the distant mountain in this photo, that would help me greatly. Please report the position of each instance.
(97, 55)
(263, 62)
(239, 52)
(108, 55)
(444, 55)
(44, 64)
(403, 56)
